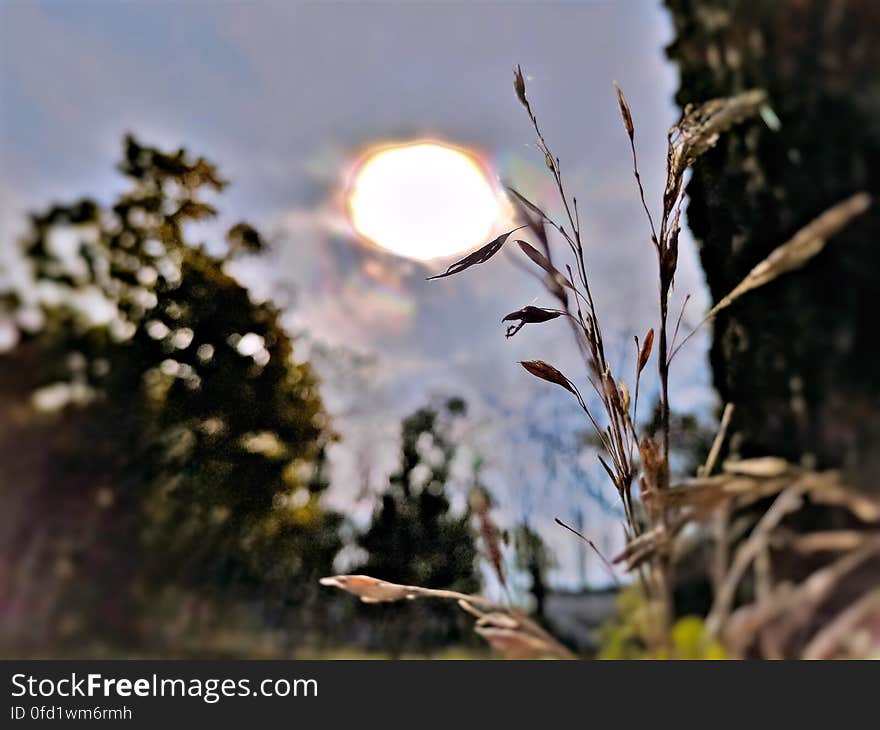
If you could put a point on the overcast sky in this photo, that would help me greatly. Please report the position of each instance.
(283, 95)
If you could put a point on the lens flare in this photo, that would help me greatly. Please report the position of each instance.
(423, 200)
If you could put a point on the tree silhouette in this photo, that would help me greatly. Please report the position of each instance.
(181, 446)
(415, 539)
(535, 559)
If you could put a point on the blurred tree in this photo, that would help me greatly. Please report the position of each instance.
(535, 558)
(691, 440)
(182, 446)
(416, 539)
(797, 356)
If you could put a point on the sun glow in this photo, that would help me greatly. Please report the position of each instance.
(423, 200)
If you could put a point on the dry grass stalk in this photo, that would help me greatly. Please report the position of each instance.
(789, 608)
(762, 467)
(792, 255)
(741, 489)
(700, 129)
(788, 501)
(511, 633)
(516, 636)
(593, 547)
(821, 585)
(832, 492)
(832, 636)
(836, 541)
(373, 590)
(656, 516)
(717, 443)
(642, 549)
(805, 244)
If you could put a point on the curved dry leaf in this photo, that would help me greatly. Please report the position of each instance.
(533, 215)
(536, 256)
(527, 204)
(542, 261)
(532, 315)
(529, 315)
(480, 256)
(555, 281)
(545, 371)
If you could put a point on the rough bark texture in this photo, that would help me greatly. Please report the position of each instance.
(799, 356)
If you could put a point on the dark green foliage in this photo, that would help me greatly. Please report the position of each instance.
(415, 539)
(191, 462)
(798, 356)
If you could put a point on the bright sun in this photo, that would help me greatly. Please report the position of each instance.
(423, 200)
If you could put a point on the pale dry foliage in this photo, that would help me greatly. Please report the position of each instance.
(664, 518)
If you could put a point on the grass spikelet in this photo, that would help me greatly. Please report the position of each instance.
(802, 247)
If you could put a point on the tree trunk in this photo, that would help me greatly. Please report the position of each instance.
(799, 356)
